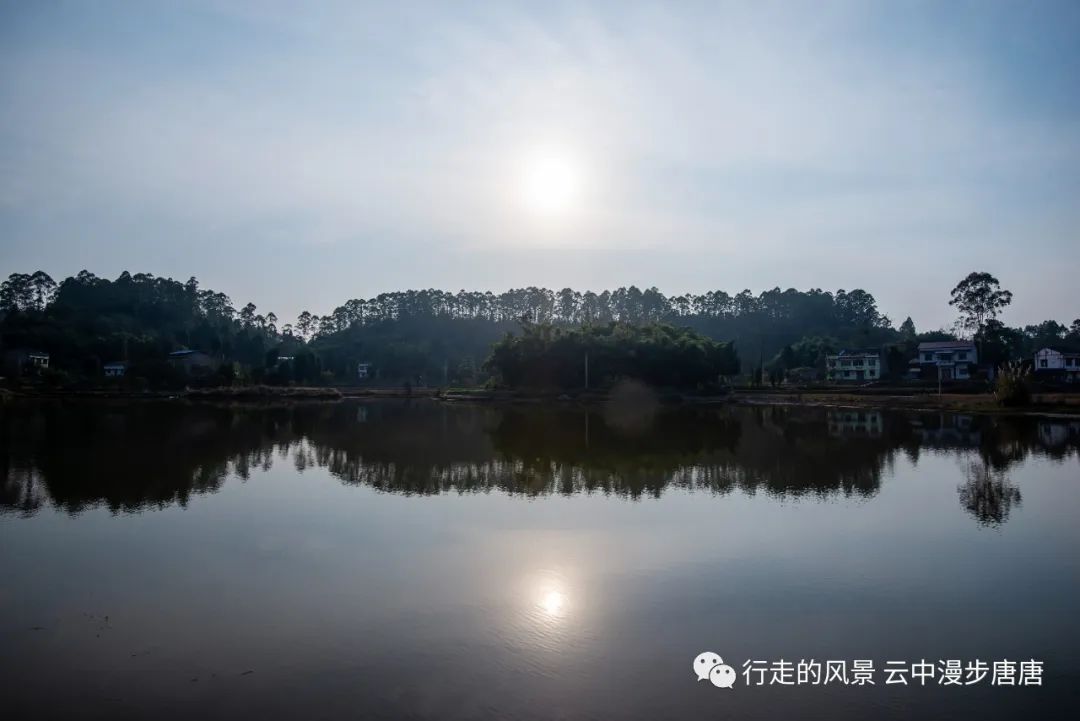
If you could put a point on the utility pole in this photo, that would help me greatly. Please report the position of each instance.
(761, 362)
(586, 371)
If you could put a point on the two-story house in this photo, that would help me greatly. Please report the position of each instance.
(1056, 364)
(946, 360)
(854, 365)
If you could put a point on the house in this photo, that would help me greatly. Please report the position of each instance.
(1057, 364)
(192, 362)
(24, 360)
(945, 360)
(116, 369)
(854, 365)
(363, 371)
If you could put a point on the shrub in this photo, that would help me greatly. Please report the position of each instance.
(1011, 387)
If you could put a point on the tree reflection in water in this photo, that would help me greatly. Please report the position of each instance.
(988, 494)
(133, 456)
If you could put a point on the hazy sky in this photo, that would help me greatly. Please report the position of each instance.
(298, 159)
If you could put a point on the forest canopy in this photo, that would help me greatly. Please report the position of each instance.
(442, 337)
(598, 355)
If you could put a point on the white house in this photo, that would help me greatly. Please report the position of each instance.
(1057, 363)
(947, 359)
(22, 360)
(854, 365)
(116, 369)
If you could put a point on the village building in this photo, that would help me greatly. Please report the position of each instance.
(19, 361)
(945, 360)
(1055, 364)
(192, 362)
(854, 365)
(115, 369)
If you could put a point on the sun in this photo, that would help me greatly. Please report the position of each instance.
(551, 185)
(553, 603)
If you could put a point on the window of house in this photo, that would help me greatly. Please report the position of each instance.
(962, 355)
(1042, 362)
(928, 357)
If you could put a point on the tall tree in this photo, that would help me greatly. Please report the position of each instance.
(44, 289)
(17, 292)
(979, 298)
(304, 323)
(247, 315)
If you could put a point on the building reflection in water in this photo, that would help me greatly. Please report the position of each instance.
(850, 423)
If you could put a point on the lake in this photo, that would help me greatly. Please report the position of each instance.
(415, 560)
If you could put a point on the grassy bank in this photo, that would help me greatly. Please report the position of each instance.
(254, 393)
(1063, 403)
(898, 398)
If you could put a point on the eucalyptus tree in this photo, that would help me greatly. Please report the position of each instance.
(979, 298)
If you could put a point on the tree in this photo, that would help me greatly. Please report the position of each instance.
(1047, 333)
(17, 292)
(247, 315)
(304, 323)
(979, 298)
(44, 288)
(999, 343)
(567, 305)
(907, 329)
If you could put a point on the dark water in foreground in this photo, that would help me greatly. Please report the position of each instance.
(394, 560)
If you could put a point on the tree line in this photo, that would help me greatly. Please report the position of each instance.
(437, 336)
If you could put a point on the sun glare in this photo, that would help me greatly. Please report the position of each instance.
(552, 184)
(553, 603)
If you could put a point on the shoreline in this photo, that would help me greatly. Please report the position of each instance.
(1060, 404)
(982, 403)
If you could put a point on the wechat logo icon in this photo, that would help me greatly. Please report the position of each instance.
(709, 666)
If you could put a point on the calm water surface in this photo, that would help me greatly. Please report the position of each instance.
(413, 560)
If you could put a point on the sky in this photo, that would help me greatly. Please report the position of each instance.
(298, 155)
